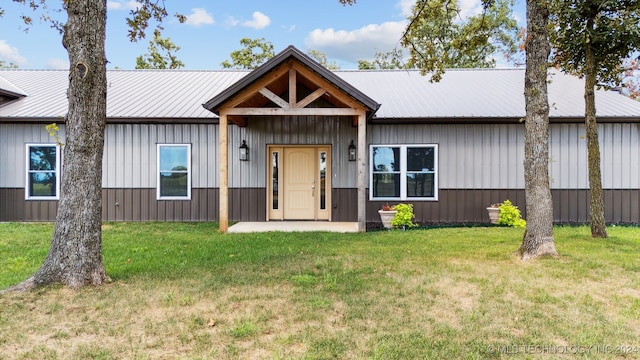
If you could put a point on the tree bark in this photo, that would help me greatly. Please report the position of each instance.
(538, 238)
(75, 255)
(596, 196)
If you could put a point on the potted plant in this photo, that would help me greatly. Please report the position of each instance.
(387, 213)
(404, 216)
(494, 212)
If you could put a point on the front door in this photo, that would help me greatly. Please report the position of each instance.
(299, 186)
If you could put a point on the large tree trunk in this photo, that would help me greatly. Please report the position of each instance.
(75, 255)
(596, 196)
(538, 238)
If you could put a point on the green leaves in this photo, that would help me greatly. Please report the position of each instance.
(609, 28)
(438, 38)
(154, 59)
(254, 53)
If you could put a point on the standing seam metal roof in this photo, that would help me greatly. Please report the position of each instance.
(137, 95)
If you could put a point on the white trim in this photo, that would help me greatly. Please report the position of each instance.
(403, 172)
(58, 166)
(159, 170)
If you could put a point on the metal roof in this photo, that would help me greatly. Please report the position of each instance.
(480, 93)
(178, 95)
(10, 90)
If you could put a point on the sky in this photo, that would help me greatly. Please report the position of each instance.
(214, 28)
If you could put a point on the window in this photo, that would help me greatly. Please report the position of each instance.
(43, 172)
(404, 172)
(174, 172)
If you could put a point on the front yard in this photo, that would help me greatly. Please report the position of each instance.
(185, 291)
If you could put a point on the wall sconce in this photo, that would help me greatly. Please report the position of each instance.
(244, 151)
(352, 152)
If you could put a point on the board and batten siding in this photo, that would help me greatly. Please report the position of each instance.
(293, 130)
(130, 155)
(478, 165)
(492, 156)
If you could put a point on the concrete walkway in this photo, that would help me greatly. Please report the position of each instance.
(294, 226)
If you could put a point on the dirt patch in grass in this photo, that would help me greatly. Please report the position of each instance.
(455, 299)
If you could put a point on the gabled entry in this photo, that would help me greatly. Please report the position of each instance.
(293, 84)
(299, 183)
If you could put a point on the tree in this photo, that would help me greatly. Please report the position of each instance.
(538, 237)
(321, 58)
(389, 60)
(438, 40)
(5, 65)
(154, 60)
(630, 78)
(592, 39)
(248, 58)
(75, 254)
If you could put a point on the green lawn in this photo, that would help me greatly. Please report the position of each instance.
(184, 291)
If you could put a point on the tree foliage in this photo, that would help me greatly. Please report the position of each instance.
(321, 58)
(389, 60)
(6, 65)
(254, 54)
(593, 39)
(630, 78)
(145, 12)
(154, 59)
(438, 38)
(609, 28)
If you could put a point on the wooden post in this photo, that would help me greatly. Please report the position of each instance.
(223, 168)
(362, 172)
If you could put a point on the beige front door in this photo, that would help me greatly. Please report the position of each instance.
(299, 186)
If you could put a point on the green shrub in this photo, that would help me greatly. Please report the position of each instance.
(510, 215)
(404, 216)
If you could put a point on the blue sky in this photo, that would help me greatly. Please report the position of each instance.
(214, 29)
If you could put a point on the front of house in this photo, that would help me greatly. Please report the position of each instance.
(295, 141)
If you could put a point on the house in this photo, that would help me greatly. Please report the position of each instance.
(292, 140)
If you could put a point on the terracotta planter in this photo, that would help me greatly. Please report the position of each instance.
(494, 213)
(386, 216)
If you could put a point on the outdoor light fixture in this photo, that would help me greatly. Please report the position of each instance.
(352, 152)
(244, 151)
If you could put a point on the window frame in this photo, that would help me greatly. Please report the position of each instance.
(159, 170)
(28, 171)
(403, 172)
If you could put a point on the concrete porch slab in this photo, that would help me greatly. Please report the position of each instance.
(293, 226)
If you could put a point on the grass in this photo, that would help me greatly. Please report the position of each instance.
(184, 291)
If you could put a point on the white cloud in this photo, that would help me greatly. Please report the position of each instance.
(11, 54)
(58, 64)
(359, 44)
(405, 7)
(258, 21)
(231, 21)
(122, 5)
(198, 17)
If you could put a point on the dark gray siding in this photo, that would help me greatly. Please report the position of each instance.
(454, 207)
(478, 165)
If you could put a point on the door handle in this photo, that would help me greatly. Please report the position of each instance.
(313, 188)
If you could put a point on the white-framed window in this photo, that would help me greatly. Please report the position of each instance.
(174, 172)
(43, 172)
(403, 172)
